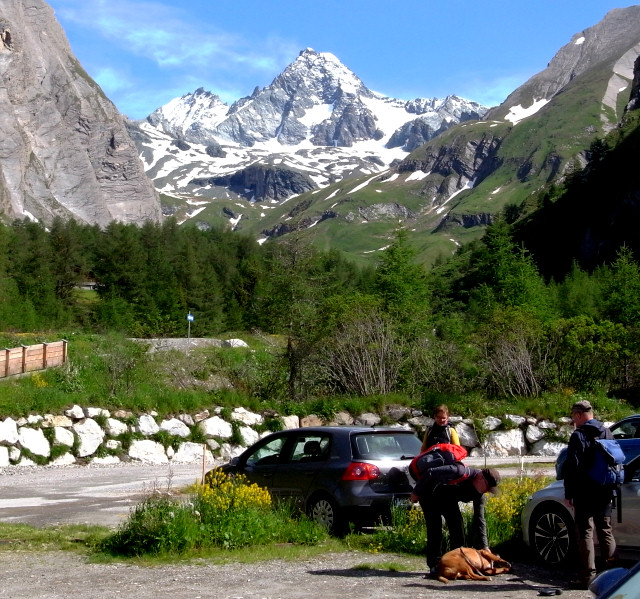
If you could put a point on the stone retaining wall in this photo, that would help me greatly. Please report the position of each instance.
(94, 435)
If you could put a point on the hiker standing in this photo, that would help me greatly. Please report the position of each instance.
(441, 431)
(591, 501)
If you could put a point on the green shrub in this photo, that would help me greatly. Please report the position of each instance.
(225, 513)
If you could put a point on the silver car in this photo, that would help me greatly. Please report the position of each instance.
(548, 524)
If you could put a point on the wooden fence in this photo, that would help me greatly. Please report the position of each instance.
(18, 360)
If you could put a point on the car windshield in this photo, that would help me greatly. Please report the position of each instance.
(377, 446)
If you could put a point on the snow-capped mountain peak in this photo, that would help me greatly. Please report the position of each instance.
(316, 118)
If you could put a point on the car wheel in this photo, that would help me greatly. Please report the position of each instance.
(324, 510)
(552, 534)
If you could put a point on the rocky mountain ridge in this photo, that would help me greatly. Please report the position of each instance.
(317, 120)
(64, 149)
(452, 182)
(455, 183)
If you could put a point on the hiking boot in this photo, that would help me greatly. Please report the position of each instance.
(433, 572)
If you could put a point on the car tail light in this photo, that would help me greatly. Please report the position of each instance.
(361, 471)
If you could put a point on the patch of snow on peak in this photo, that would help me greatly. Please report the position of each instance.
(362, 185)
(518, 113)
(417, 176)
(580, 41)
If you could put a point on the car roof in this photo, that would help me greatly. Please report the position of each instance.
(351, 429)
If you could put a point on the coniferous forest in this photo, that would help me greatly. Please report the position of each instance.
(484, 320)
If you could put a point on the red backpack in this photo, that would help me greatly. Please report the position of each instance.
(459, 453)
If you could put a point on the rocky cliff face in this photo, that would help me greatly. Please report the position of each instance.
(64, 149)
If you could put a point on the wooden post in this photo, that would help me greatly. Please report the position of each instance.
(7, 351)
(24, 358)
(204, 457)
(44, 355)
(64, 350)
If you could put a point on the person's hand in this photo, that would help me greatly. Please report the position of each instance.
(413, 498)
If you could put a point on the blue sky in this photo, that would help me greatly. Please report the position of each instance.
(144, 53)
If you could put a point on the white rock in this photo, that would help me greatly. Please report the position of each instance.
(108, 459)
(213, 445)
(547, 448)
(4, 457)
(311, 420)
(175, 427)
(505, 443)
(187, 419)
(546, 424)
(467, 435)
(234, 343)
(514, 419)
(246, 417)
(115, 427)
(66, 459)
(147, 425)
(90, 436)
(564, 432)
(249, 436)
(33, 439)
(368, 419)
(113, 444)
(75, 413)
(14, 454)
(342, 419)
(289, 422)
(8, 432)
(24, 461)
(228, 451)
(63, 436)
(200, 416)
(491, 423)
(533, 434)
(57, 420)
(96, 412)
(148, 451)
(216, 427)
(34, 419)
(192, 453)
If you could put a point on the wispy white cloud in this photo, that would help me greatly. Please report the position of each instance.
(166, 36)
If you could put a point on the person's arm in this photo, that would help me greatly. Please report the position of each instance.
(480, 523)
(424, 440)
(571, 468)
(455, 440)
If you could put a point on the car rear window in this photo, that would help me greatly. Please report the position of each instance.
(377, 446)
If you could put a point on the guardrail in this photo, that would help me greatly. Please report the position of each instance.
(27, 358)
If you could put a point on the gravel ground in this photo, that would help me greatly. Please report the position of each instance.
(104, 495)
(61, 575)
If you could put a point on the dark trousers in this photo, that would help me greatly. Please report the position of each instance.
(438, 502)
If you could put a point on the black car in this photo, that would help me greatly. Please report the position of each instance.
(337, 474)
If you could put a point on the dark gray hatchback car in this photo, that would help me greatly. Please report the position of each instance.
(337, 474)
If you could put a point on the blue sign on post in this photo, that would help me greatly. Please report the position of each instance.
(190, 317)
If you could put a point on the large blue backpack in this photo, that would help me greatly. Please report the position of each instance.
(607, 467)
